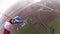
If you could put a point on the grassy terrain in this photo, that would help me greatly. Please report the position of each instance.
(28, 29)
(54, 26)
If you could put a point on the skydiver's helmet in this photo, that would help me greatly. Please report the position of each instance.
(17, 20)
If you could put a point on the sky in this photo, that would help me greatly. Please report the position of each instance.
(35, 1)
(6, 4)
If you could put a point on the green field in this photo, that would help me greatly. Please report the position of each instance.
(28, 29)
(54, 26)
